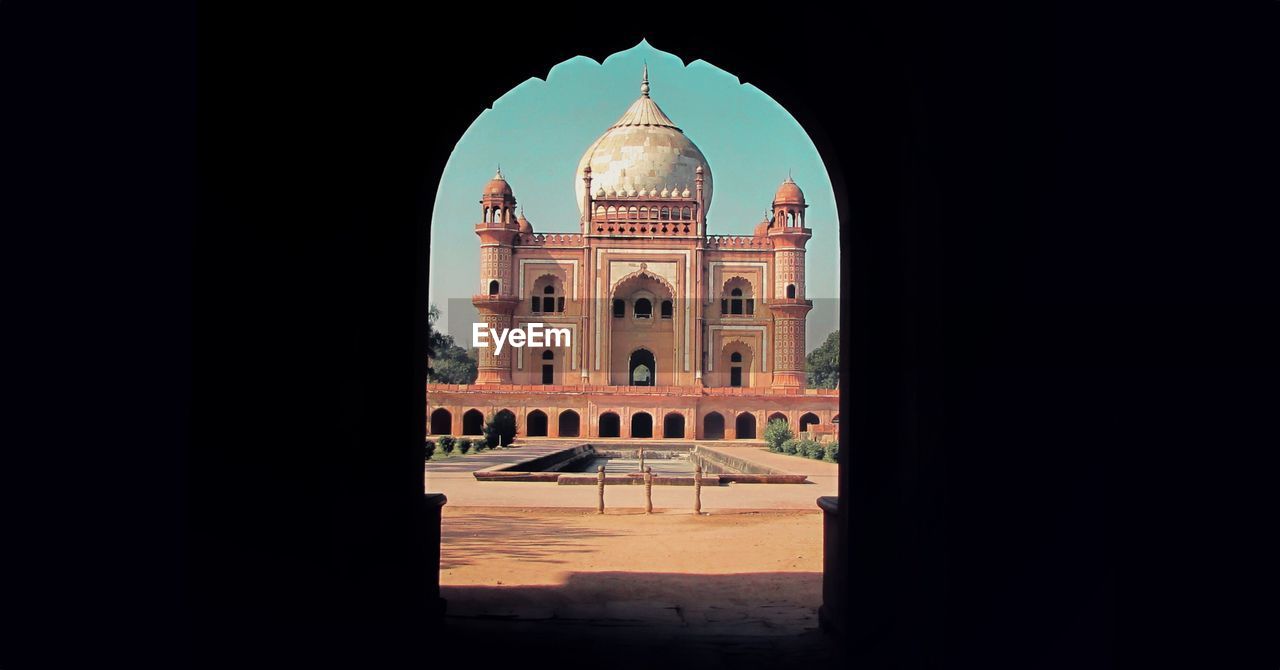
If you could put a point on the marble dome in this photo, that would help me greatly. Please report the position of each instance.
(644, 151)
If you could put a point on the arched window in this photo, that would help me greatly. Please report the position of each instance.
(473, 422)
(548, 367)
(536, 304)
(791, 291)
(641, 425)
(619, 308)
(536, 424)
(441, 422)
(493, 287)
(568, 423)
(666, 214)
(666, 309)
(735, 358)
(610, 424)
(735, 371)
(735, 303)
(673, 425)
(643, 308)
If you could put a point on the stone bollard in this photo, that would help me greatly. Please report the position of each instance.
(648, 490)
(600, 489)
(697, 489)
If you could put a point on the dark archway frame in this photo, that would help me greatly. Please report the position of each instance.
(758, 68)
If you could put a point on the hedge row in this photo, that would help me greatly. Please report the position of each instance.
(447, 444)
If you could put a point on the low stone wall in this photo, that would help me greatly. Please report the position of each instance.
(544, 468)
(735, 469)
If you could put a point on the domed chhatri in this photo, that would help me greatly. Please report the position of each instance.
(498, 185)
(789, 193)
(644, 151)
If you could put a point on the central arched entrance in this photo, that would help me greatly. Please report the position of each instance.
(641, 425)
(642, 370)
(744, 427)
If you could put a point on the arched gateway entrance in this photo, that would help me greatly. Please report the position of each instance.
(642, 272)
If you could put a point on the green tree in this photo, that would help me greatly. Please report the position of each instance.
(447, 363)
(500, 430)
(822, 365)
(776, 433)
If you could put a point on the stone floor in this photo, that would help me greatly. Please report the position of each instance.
(718, 586)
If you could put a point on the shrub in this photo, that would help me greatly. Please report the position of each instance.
(833, 452)
(430, 449)
(500, 430)
(464, 445)
(791, 446)
(446, 444)
(817, 451)
(776, 433)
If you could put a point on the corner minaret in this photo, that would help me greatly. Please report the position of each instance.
(496, 300)
(789, 307)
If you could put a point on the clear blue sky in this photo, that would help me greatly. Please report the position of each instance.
(539, 130)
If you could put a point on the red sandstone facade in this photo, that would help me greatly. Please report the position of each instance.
(675, 333)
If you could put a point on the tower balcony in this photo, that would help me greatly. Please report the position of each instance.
(496, 304)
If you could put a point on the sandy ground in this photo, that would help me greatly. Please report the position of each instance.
(743, 573)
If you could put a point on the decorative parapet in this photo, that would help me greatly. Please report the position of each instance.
(738, 242)
(549, 240)
(631, 390)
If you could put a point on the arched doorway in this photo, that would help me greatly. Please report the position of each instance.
(610, 425)
(642, 370)
(473, 422)
(809, 419)
(536, 424)
(641, 425)
(713, 426)
(569, 421)
(441, 422)
(745, 426)
(673, 425)
(777, 416)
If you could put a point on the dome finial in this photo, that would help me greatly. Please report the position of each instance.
(499, 174)
(644, 80)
